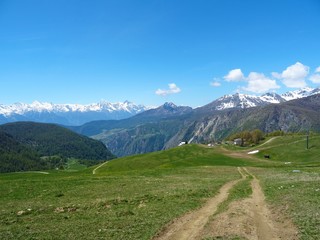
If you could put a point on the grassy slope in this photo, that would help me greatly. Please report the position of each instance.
(295, 193)
(293, 149)
(132, 197)
(186, 156)
(128, 198)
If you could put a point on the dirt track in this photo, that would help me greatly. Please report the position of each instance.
(249, 218)
(95, 170)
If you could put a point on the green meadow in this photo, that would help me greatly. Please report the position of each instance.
(134, 197)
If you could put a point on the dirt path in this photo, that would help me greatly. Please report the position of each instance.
(95, 170)
(261, 214)
(190, 225)
(270, 140)
(249, 218)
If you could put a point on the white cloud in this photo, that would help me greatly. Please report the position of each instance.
(259, 83)
(315, 78)
(294, 76)
(215, 84)
(172, 90)
(234, 75)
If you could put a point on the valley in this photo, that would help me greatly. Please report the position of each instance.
(168, 125)
(143, 196)
(160, 120)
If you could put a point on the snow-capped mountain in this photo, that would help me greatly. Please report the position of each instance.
(239, 100)
(304, 92)
(77, 114)
(68, 114)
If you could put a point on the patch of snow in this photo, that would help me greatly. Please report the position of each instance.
(253, 152)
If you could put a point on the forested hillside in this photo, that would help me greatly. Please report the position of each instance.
(50, 139)
(17, 157)
(34, 146)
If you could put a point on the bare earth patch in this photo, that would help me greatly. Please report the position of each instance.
(249, 218)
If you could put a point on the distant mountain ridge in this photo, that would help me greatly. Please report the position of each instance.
(77, 114)
(68, 114)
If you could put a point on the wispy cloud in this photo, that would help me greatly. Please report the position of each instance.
(173, 89)
(315, 78)
(216, 82)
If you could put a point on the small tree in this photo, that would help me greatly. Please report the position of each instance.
(256, 136)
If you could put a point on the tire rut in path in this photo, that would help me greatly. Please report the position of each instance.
(190, 225)
(262, 217)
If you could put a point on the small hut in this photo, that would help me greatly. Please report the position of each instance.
(237, 141)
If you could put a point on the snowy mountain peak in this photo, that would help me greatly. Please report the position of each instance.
(303, 92)
(239, 100)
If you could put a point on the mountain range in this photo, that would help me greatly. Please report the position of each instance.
(77, 114)
(149, 130)
(168, 125)
(68, 114)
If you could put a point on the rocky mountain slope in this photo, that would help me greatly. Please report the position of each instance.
(292, 116)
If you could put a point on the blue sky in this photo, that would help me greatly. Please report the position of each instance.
(152, 51)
